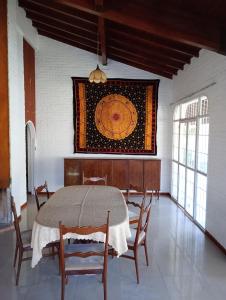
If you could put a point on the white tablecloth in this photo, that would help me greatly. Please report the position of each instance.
(83, 198)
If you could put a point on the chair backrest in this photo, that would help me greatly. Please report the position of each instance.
(143, 221)
(94, 180)
(136, 189)
(16, 223)
(84, 231)
(39, 190)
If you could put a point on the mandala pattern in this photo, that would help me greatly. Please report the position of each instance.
(115, 117)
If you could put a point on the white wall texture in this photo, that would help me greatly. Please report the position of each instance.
(18, 28)
(56, 63)
(208, 68)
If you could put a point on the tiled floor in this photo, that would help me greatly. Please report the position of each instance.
(184, 265)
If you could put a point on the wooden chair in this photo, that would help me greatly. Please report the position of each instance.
(134, 216)
(94, 180)
(139, 236)
(23, 242)
(82, 259)
(39, 190)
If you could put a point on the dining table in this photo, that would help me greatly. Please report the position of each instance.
(82, 205)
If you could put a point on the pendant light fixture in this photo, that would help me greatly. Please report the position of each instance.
(97, 75)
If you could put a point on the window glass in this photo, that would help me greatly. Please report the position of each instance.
(181, 183)
(190, 191)
(174, 180)
(182, 145)
(175, 140)
(191, 144)
(190, 157)
(203, 141)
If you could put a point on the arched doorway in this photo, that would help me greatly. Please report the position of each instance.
(30, 155)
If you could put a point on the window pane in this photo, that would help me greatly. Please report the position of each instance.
(181, 183)
(204, 106)
(203, 140)
(182, 158)
(176, 114)
(189, 191)
(175, 140)
(174, 180)
(191, 144)
(200, 209)
(189, 109)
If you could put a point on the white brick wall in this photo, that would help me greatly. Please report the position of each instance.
(56, 63)
(211, 67)
(18, 28)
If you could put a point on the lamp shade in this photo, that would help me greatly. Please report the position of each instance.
(97, 76)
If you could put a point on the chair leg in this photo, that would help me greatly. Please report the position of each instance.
(136, 265)
(15, 256)
(104, 280)
(146, 252)
(62, 286)
(19, 265)
(53, 251)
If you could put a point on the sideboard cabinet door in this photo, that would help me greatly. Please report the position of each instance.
(72, 172)
(152, 171)
(120, 176)
(136, 172)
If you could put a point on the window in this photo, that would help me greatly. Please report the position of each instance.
(190, 157)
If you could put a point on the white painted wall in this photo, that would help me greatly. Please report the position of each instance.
(208, 68)
(56, 63)
(18, 28)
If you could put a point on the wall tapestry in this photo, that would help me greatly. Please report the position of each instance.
(119, 116)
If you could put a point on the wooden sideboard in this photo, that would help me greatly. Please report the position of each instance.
(120, 172)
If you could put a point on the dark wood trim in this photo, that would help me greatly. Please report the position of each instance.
(215, 241)
(4, 100)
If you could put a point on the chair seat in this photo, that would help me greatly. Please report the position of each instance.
(133, 216)
(87, 263)
(131, 240)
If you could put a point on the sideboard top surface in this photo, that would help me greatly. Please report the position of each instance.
(125, 157)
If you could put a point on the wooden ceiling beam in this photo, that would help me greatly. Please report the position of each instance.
(142, 60)
(66, 41)
(102, 38)
(67, 29)
(140, 66)
(150, 40)
(71, 20)
(192, 32)
(164, 61)
(179, 57)
(99, 6)
(70, 36)
(52, 6)
(70, 24)
(37, 20)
